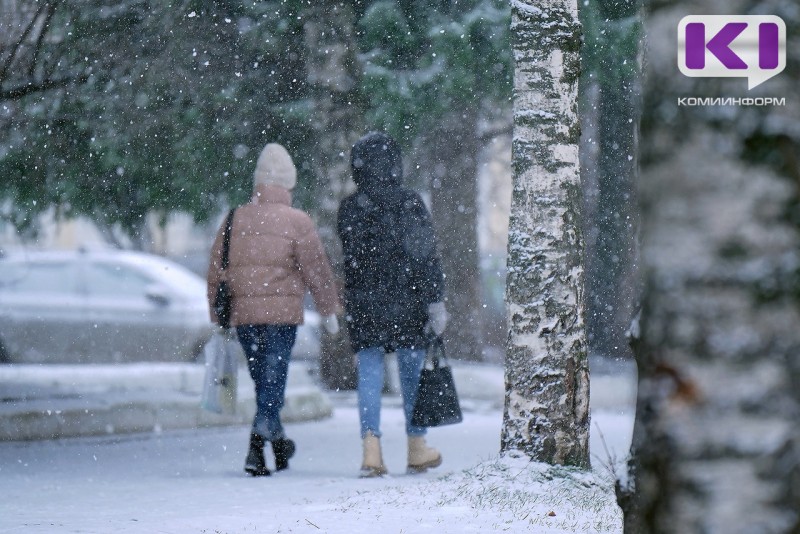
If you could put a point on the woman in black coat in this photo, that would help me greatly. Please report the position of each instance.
(393, 290)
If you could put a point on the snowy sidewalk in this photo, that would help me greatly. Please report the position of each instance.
(192, 480)
(57, 401)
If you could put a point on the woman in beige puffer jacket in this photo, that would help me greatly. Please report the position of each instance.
(275, 254)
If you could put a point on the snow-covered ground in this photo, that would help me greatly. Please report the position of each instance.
(192, 481)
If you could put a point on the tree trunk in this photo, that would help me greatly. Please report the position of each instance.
(547, 377)
(717, 433)
(453, 165)
(612, 251)
(610, 108)
(332, 70)
(716, 443)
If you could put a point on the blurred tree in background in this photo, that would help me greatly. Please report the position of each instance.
(167, 109)
(116, 110)
(437, 76)
(333, 77)
(610, 108)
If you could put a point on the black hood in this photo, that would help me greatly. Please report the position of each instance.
(377, 164)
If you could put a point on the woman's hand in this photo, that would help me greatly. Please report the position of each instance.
(331, 324)
(437, 317)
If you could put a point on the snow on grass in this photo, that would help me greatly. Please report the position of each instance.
(502, 494)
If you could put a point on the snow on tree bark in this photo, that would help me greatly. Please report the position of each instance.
(546, 412)
(716, 401)
(716, 443)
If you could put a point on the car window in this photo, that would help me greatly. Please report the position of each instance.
(176, 277)
(114, 279)
(38, 277)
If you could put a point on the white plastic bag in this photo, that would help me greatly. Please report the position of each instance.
(219, 387)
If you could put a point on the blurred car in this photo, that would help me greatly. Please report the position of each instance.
(107, 306)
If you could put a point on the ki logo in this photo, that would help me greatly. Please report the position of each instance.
(728, 46)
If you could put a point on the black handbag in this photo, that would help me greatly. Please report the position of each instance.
(437, 401)
(223, 300)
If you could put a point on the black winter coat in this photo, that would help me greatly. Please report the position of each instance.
(391, 268)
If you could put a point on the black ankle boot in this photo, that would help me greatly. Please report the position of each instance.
(255, 463)
(283, 449)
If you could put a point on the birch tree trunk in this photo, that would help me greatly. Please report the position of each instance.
(716, 441)
(333, 73)
(546, 412)
(717, 434)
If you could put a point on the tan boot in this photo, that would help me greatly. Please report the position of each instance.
(420, 456)
(372, 466)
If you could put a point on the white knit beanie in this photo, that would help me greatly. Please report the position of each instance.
(275, 167)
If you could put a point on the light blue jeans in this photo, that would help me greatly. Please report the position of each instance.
(370, 387)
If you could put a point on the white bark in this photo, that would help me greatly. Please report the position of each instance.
(717, 412)
(716, 438)
(547, 379)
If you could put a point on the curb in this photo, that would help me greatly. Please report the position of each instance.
(57, 410)
(64, 418)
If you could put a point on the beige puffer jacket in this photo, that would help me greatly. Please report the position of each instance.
(275, 254)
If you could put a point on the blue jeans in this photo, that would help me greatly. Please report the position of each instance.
(370, 386)
(267, 348)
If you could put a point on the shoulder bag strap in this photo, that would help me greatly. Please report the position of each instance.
(226, 239)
